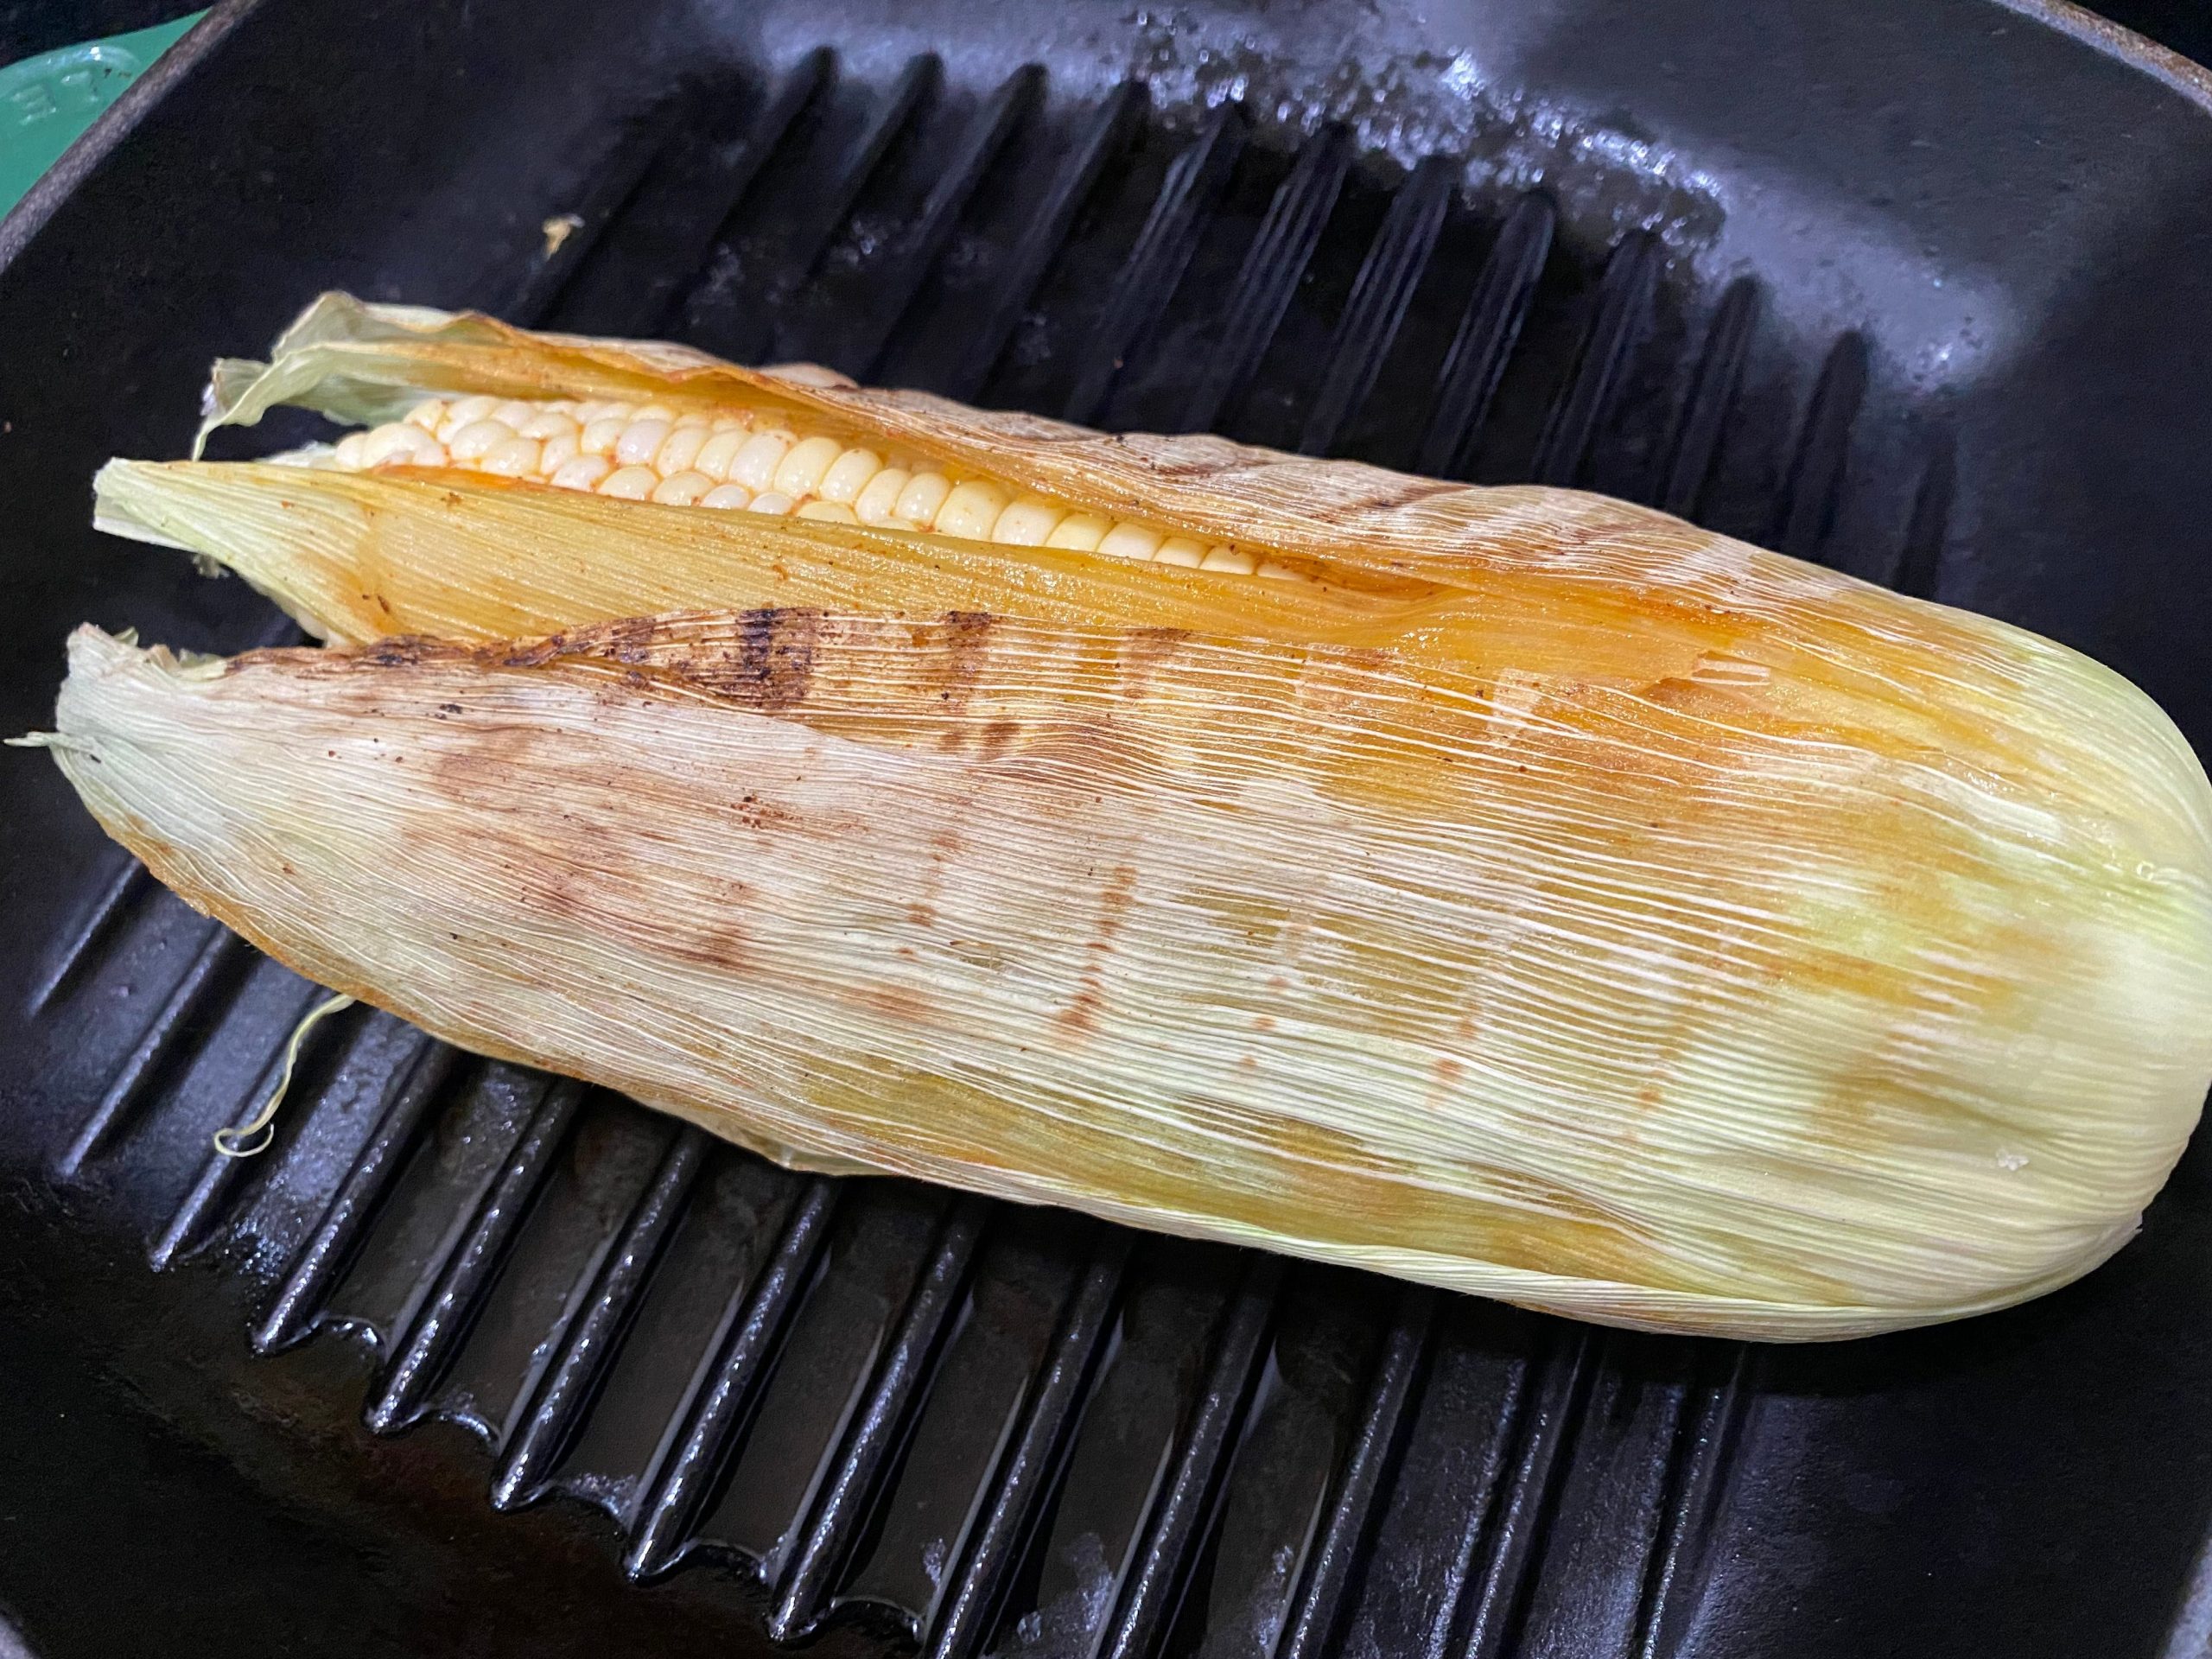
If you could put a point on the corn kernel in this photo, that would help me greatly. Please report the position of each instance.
(1028, 521)
(876, 504)
(1130, 541)
(640, 441)
(467, 412)
(719, 450)
(679, 449)
(754, 466)
(849, 475)
(514, 457)
(971, 510)
(478, 439)
(545, 423)
(682, 489)
(1080, 531)
(800, 473)
(919, 502)
(584, 473)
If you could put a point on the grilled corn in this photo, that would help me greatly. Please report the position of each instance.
(1520, 891)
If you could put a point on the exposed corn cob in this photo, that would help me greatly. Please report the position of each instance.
(1598, 1001)
(751, 458)
(722, 445)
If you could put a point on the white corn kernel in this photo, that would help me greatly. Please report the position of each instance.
(681, 489)
(726, 496)
(735, 422)
(1130, 541)
(971, 510)
(1080, 531)
(653, 412)
(1028, 521)
(919, 502)
(558, 451)
(718, 451)
(678, 450)
(600, 436)
(800, 473)
(511, 458)
(755, 464)
(833, 512)
(876, 503)
(849, 475)
(513, 412)
(396, 443)
(1276, 572)
(429, 415)
(478, 439)
(1222, 556)
(640, 441)
(547, 423)
(348, 452)
(584, 473)
(772, 501)
(467, 412)
(1183, 551)
(629, 483)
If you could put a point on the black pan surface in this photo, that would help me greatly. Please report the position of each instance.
(1918, 289)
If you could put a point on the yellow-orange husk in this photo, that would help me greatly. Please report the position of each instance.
(1545, 588)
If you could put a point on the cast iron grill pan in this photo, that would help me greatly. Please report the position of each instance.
(910, 1417)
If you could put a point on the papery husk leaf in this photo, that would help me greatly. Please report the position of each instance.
(1640, 1002)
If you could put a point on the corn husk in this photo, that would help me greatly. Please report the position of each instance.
(1651, 1001)
(1537, 895)
(1548, 590)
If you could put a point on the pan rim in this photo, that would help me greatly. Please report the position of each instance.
(2116, 41)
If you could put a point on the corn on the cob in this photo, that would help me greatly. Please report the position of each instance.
(1536, 895)
(1584, 1003)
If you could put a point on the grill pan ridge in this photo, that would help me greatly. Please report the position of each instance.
(887, 1416)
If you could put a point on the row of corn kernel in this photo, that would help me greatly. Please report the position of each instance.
(738, 458)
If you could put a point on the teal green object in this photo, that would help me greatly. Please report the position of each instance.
(46, 101)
